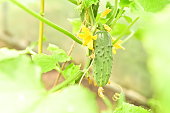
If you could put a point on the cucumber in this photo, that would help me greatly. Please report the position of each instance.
(103, 58)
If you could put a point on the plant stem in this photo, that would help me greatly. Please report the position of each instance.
(63, 65)
(91, 14)
(117, 17)
(66, 82)
(127, 38)
(85, 71)
(114, 13)
(41, 28)
(125, 31)
(46, 21)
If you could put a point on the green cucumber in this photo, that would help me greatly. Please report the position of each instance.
(103, 58)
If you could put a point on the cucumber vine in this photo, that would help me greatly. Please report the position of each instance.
(100, 31)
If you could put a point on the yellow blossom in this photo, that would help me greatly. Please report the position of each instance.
(117, 45)
(87, 37)
(107, 28)
(104, 13)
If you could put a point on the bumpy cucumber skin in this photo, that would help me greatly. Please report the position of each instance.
(103, 58)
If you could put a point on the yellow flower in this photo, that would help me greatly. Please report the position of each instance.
(107, 28)
(104, 13)
(87, 37)
(116, 46)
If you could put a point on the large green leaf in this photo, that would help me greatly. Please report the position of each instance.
(156, 42)
(58, 54)
(152, 5)
(74, 99)
(129, 108)
(46, 62)
(50, 62)
(21, 91)
(20, 85)
(124, 3)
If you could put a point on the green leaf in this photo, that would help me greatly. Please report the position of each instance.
(58, 54)
(21, 91)
(125, 3)
(88, 3)
(152, 5)
(55, 49)
(118, 29)
(46, 62)
(76, 24)
(50, 62)
(71, 70)
(110, 6)
(129, 108)
(73, 1)
(128, 19)
(74, 99)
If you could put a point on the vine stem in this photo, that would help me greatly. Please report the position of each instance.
(125, 31)
(63, 65)
(114, 12)
(117, 17)
(41, 28)
(46, 21)
(127, 38)
(65, 83)
(86, 70)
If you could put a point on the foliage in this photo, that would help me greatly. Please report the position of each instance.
(88, 3)
(50, 62)
(21, 84)
(124, 3)
(129, 108)
(71, 70)
(76, 23)
(153, 5)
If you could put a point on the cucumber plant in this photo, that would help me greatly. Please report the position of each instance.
(100, 31)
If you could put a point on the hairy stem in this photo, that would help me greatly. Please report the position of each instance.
(46, 21)
(41, 28)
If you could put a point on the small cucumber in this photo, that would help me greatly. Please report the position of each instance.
(103, 58)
